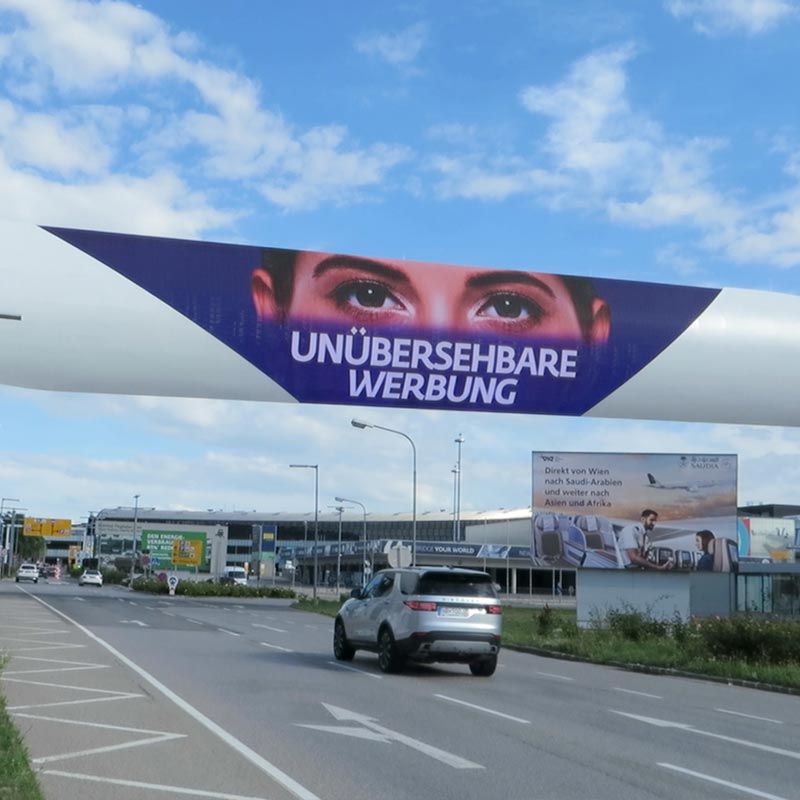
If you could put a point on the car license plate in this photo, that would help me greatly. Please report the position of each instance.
(453, 611)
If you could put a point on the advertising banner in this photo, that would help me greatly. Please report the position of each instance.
(766, 539)
(299, 326)
(188, 552)
(265, 538)
(164, 545)
(635, 511)
(342, 329)
(37, 526)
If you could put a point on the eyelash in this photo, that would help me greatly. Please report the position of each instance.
(344, 294)
(535, 313)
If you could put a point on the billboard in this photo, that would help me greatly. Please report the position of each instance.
(37, 526)
(634, 511)
(174, 548)
(766, 539)
(265, 539)
(307, 327)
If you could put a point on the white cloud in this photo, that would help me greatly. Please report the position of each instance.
(713, 17)
(321, 172)
(601, 154)
(399, 49)
(160, 204)
(63, 143)
(95, 86)
(79, 45)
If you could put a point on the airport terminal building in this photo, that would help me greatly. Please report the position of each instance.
(353, 545)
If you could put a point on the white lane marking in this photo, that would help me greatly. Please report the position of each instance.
(484, 709)
(55, 669)
(450, 759)
(156, 787)
(28, 628)
(44, 645)
(268, 627)
(109, 748)
(230, 633)
(558, 677)
(663, 723)
(353, 669)
(80, 599)
(154, 738)
(194, 621)
(134, 622)
(720, 782)
(58, 661)
(48, 647)
(749, 716)
(358, 733)
(167, 613)
(276, 647)
(83, 701)
(289, 783)
(640, 694)
(63, 686)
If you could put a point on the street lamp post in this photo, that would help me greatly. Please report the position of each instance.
(359, 423)
(4, 539)
(459, 441)
(340, 509)
(135, 524)
(455, 503)
(364, 532)
(315, 467)
(13, 536)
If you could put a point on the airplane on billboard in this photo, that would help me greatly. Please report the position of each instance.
(689, 486)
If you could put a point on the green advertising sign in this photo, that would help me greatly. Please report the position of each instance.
(163, 544)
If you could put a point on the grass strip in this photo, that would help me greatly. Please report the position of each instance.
(17, 780)
(637, 643)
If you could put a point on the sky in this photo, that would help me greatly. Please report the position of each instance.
(653, 141)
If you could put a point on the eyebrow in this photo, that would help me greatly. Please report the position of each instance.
(494, 277)
(376, 268)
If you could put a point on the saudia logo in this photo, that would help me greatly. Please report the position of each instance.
(704, 465)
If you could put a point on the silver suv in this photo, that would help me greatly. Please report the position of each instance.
(423, 614)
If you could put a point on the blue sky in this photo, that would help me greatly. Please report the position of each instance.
(646, 141)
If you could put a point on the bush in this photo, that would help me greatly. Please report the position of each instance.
(113, 575)
(545, 621)
(635, 626)
(755, 640)
(192, 588)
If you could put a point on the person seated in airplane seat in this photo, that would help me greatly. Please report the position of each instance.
(725, 555)
(634, 544)
(706, 544)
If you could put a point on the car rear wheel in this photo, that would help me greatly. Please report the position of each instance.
(342, 649)
(484, 668)
(389, 660)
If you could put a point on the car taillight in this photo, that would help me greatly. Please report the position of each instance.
(494, 609)
(420, 605)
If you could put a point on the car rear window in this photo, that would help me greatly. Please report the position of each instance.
(455, 583)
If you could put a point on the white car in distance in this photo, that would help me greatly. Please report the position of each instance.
(92, 577)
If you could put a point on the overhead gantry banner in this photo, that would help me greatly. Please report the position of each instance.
(102, 312)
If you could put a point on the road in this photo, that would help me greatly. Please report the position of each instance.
(131, 696)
